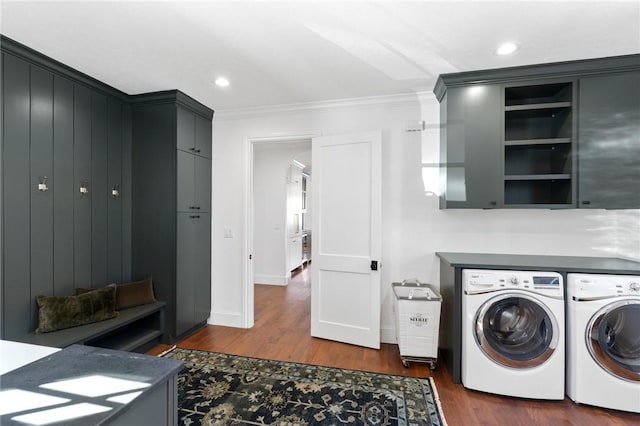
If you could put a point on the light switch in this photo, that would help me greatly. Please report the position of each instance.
(228, 233)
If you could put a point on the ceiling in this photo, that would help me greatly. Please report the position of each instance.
(277, 53)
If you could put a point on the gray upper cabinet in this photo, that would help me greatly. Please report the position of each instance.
(203, 136)
(194, 132)
(609, 135)
(560, 135)
(471, 146)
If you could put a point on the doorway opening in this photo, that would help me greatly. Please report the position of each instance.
(279, 220)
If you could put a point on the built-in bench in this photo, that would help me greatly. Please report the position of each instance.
(134, 329)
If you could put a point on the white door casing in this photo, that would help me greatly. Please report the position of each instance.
(345, 290)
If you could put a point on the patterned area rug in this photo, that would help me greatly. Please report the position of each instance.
(221, 389)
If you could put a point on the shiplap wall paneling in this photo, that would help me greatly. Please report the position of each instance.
(16, 196)
(114, 201)
(82, 176)
(99, 190)
(63, 187)
(41, 170)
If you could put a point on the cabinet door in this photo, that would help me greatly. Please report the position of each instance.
(194, 183)
(202, 271)
(186, 185)
(609, 141)
(295, 252)
(202, 184)
(203, 136)
(185, 132)
(471, 147)
(186, 258)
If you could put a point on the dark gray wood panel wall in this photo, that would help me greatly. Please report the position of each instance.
(63, 131)
(60, 131)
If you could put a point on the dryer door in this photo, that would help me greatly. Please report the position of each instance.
(613, 339)
(516, 330)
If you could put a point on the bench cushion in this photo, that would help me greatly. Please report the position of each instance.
(60, 312)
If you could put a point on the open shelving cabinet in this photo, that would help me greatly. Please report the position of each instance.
(538, 145)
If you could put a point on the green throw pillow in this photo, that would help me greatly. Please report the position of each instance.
(59, 312)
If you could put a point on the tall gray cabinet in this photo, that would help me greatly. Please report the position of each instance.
(171, 184)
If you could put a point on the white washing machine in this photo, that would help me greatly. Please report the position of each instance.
(603, 340)
(513, 333)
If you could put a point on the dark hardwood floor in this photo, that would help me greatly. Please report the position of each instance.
(281, 331)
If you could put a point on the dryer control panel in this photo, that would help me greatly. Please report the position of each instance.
(540, 282)
(593, 287)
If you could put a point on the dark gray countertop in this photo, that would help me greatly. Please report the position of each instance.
(597, 265)
(143, 371)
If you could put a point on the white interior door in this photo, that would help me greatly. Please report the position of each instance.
(345, 281)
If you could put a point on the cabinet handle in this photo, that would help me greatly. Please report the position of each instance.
(195, 216)
(194, 207)
(192, 149)
(197, 150)
(586, 202)
(493, 203)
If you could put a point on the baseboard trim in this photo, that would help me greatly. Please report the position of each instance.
(388, 335)
(227, 319)
(270, 279)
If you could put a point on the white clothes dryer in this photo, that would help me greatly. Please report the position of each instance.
(603, 340)
(513, 333)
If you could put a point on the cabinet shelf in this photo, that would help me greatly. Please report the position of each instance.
(538, 134)
(561, 176)
(538, 94)
(547, 141)
(533, 107)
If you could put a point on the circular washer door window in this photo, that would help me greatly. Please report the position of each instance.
(516, 331)
(613, 339)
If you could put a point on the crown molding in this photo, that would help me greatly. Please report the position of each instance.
(402, 98)
(10, 46)
(171, 97)
(567, 69)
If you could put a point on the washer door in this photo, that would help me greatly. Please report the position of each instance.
(613, 339)
(516, 330)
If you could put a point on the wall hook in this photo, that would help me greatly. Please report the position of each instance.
(42, 186)
(84, 188)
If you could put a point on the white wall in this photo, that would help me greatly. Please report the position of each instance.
(271, 162)
(414, 227)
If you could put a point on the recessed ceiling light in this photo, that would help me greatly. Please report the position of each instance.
(222, 82)
(506, 48)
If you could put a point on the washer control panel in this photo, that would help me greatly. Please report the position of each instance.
(483, 281)
(592, 286)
